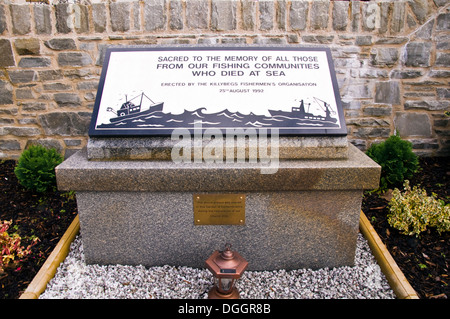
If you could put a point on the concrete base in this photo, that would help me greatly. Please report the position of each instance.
(141, 212)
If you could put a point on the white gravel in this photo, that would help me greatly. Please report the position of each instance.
(74, 279)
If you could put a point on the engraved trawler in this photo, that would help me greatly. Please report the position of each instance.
(300, 113)
(129, 110)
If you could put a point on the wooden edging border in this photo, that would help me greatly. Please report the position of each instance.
(389, 267)
(48, 269)
(394, 275)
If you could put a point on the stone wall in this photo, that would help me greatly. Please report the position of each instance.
(392, 59)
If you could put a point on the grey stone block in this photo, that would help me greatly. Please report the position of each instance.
(176, 15)
(405, 74)
(99, 17)
(9, 145)
(60, 44)
(323, 39)
(21, 131)
(425, 32)
(370, 15)
(384, 56)
(266, 14)
(87, 85)
(340, 15)
(363, 40)
(50, 75)
(67, 99)
(223, 15)
(21, 18)
(34, 62)
(269, 40)
(398, 16)
(387, 92)
(356, 15)
(65, 123)
(367, 132)
(197, 13)
(42, 19)
(101, 54)
(417, 54)
(24, 76)
(248, 13)
(439, 74)
(280, 14)
(231, 41)
(392, 40)
(62, 13)
(384, 17)
(3, 24)
(13, 111)
(48, 143)
(6, 93)
(120, 16)
(420, 8)
(424, 144)
(136, 15)
(74, 59)
(319, 15)
(24, 93)
(443, 22)
(155, 15)
(381, 110)
(298, 15)
(81, 19)
(412, 124)
(443, 93)
(430, 105)
(7, 56)
(33, 106)
(372, 74)
(442, 59)
(358, 90)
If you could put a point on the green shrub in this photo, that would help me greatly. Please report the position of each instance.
(413, 211)
(35, 169)
(397, 161)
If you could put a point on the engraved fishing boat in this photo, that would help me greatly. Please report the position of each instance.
(130, 110)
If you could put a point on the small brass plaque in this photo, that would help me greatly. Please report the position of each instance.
(219, 209)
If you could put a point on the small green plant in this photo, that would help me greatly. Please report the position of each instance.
(35, 169)
(422, 266)
(413, 211)
(397, 161)
(10, 247)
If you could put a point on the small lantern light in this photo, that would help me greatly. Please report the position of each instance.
(227, 266)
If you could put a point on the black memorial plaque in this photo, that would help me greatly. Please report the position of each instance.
(152, 91)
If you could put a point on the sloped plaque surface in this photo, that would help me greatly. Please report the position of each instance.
(152, 91)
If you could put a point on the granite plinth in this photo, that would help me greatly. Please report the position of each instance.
(160, 148)
(355, 172)
(283, 230)
(306, 215)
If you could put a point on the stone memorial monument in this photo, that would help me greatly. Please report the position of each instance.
(194, 147)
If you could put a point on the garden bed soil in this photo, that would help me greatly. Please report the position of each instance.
(424, 260)
(46, 216)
